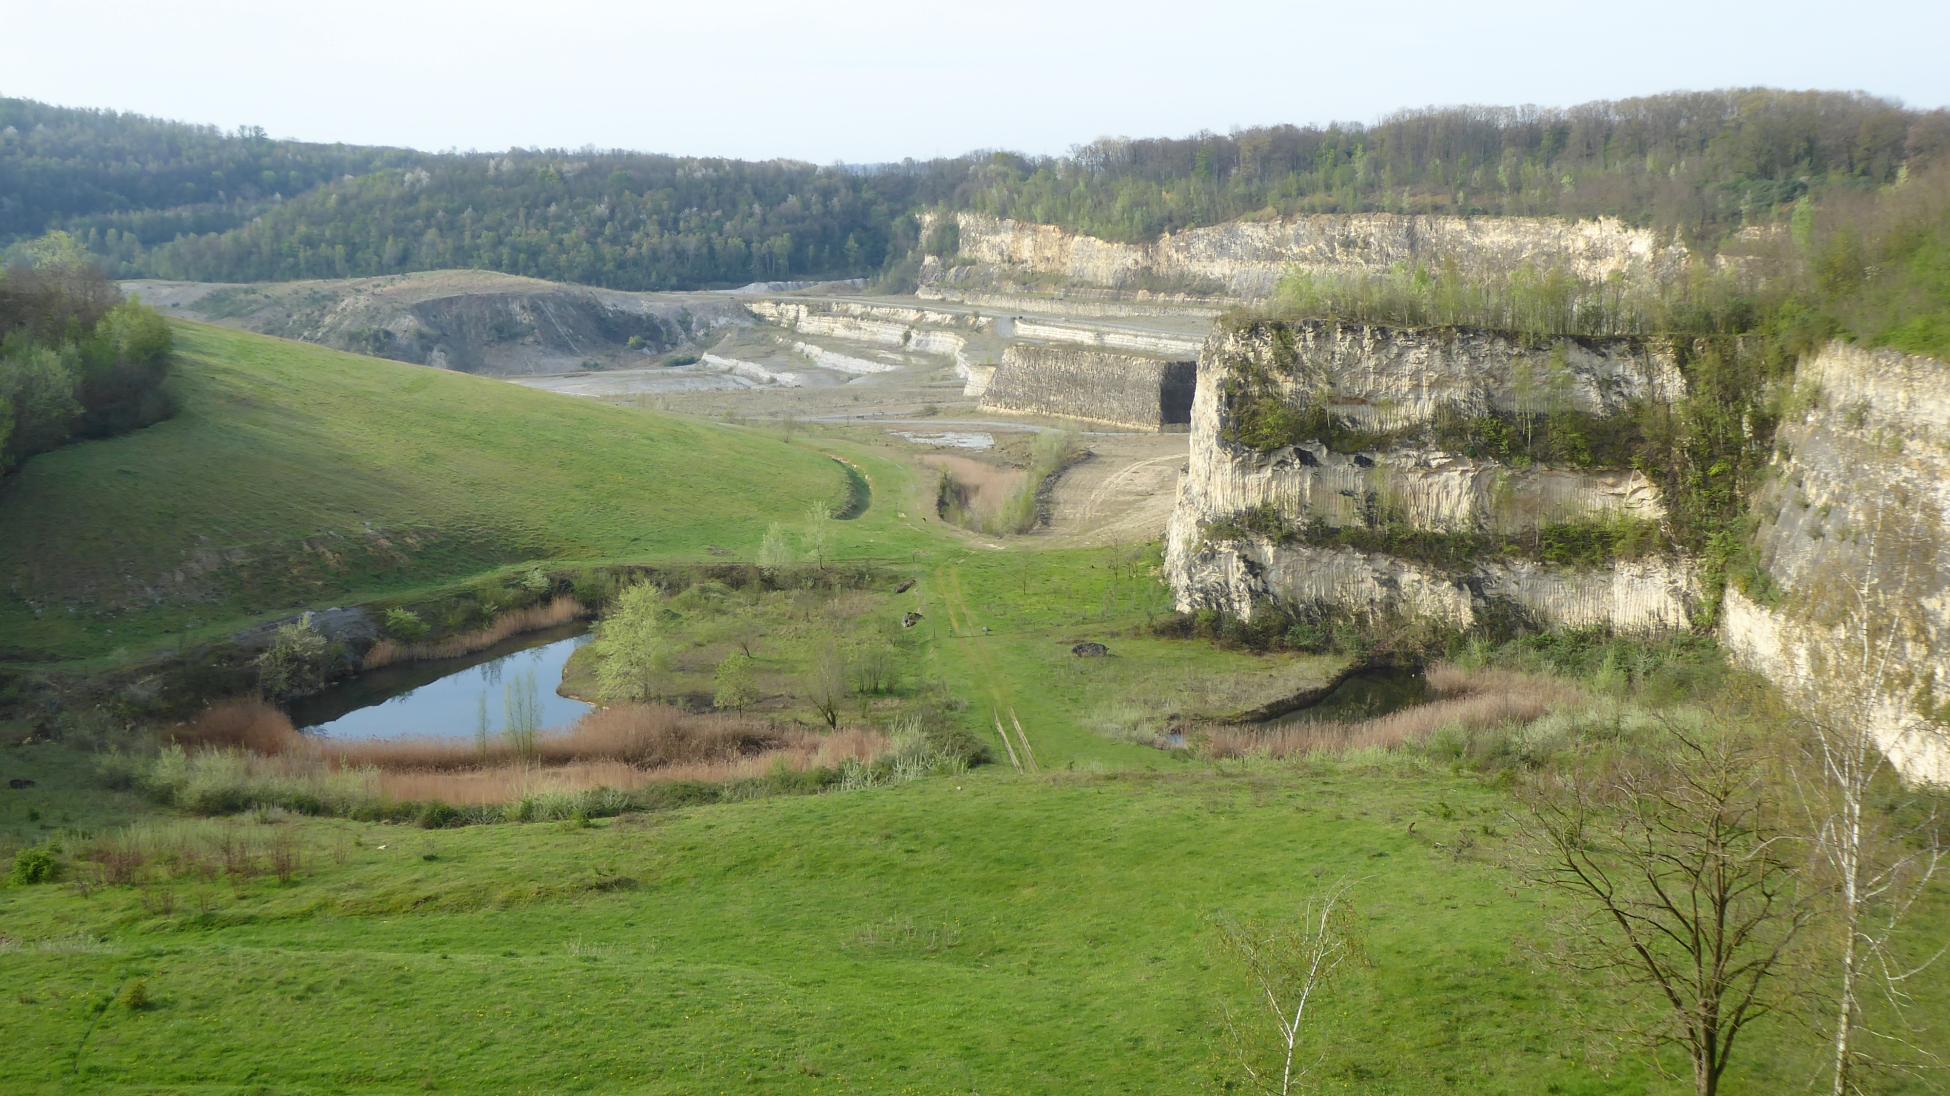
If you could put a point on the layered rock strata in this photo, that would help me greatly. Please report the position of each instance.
(1854, 539)
(1394, 379)
(1107, 387)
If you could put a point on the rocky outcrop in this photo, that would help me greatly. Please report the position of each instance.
(1075, 303)
(1854, 540)
(752, 371)
(1395, 379)
(1390, 378)
(1167, 344)
(1240, 575)
(862, 321)
(1114, 389)
(1246, 259)
(840, 362)
(1425, 488)
(943, 333)
(469, 320)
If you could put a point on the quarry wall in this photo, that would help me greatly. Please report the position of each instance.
(1108, 387)
(1855, 542)
(1246, 259)
(1398, 379)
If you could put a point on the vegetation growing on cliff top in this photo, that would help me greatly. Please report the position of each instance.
(241, 206)
(1697, 162)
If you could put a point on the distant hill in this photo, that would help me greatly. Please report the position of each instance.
(165, 199)
(295, 476)
(168, 200)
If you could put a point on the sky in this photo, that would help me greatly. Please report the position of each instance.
(875, 80)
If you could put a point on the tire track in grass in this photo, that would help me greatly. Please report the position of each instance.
(962, 625)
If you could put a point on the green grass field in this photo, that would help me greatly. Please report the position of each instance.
(295, 477)
(991, 933)
(984, 933)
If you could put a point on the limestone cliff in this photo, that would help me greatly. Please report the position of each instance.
(1114, 389)
(1398, 380)
(1244, 260)
(952, 334)
(1854, 541)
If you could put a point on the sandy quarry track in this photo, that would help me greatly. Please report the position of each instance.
(1122, 495)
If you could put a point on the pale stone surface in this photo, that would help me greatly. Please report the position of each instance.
(1246, 259)
(1238, 576)
(1394, 378)
(1855, 533)
(1100, 386)
(1390, 378)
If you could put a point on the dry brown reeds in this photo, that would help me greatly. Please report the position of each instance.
(559, 611)
(246, 724)
(1468, 700)
(511, 782)
(625, 747)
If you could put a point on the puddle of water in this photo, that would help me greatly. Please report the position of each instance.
(1364, 694)
(950, 439)
(451, 697)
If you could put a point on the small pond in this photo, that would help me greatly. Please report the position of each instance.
(1364, 694)
(451, 698)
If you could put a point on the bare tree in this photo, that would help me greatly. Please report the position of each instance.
(1875, 866)
(1684, 888)
(1290, 964)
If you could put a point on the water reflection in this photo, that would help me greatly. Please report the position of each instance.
(511, 685)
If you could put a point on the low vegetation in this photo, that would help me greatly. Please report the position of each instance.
(436, 479)
(76, 360)
(1004, 501)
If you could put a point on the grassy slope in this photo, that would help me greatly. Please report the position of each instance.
(296, 476)
(985, 934)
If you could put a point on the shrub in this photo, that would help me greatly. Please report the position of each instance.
(876, 667)
(405, 625)
(294, 663)
(135, 997)
(734, 684)
(630, 643)
(38, 864)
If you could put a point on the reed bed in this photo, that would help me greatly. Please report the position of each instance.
(1466, 701)
(559, 611)
(512, 782)
(247, 746)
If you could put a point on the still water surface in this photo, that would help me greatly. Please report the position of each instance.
(450, 698)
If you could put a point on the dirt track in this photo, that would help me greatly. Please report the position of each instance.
(1122, 495)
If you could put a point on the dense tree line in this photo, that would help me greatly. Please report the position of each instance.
(624, 220)
(132, 182)
(165, 199)
(1700, 163)
(76, 360)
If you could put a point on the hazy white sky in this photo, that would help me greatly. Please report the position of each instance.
(868, 80)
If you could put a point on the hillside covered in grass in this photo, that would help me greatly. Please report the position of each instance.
(294, 476)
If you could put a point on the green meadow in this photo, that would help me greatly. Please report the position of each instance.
(992, 931)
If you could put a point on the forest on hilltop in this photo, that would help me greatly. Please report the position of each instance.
(165, 199)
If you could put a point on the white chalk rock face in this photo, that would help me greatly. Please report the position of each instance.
(1855, 537)
(1394, 379)
(1246, 259)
